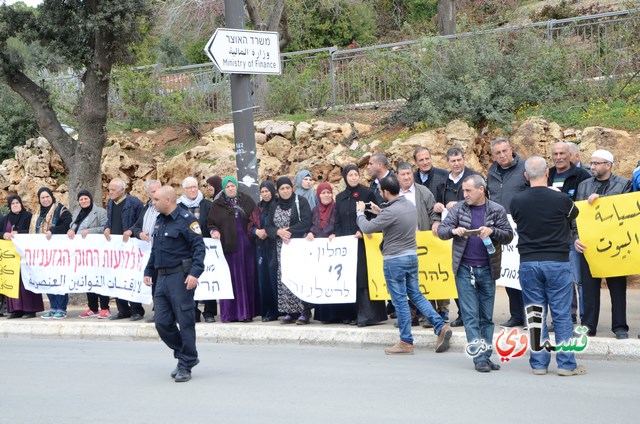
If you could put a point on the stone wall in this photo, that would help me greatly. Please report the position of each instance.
(324, 148)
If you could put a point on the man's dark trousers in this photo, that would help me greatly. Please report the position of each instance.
(173, 303)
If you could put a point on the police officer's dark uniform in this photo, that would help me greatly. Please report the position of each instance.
(178, 250)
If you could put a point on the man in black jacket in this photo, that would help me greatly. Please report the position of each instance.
(603, 183)
(566, 177)
(505, 179)
(448, 193)
(543, 217)
(144, 226)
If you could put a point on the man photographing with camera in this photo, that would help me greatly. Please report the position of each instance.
(397, 222)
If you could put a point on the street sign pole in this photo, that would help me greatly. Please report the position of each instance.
(242, 110)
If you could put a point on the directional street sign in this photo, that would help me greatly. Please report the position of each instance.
(236, 51)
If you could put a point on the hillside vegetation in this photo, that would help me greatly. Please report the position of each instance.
(488, 82)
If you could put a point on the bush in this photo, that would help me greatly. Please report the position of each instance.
(479, 79)
(17, 123)
(299, 88)
(316, 24)
(562, 10)
(136, 92)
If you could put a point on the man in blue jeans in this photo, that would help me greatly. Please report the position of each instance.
(397, 221)
(543, 216)
(470, 223)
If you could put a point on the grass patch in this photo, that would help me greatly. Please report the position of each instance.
(620, 110)
(212, 162)
(173, 151)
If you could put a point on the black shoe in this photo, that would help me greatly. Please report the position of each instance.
(622, 335)
(136, 317)
(29, 315)
(483, 366)
(176, 370)
(494, 367)
(152, 318)
(393, 315)
(14, 315)
(457, 322)
(209, 319)
(118, 316)
(512, 322)
(183, 376)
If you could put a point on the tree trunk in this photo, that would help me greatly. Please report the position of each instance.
(446, 17)
(82, 157)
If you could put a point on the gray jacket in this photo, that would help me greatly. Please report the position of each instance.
(397, 221)
(94, 222)
(424, 205)
(616, 185)
(495, 217)
(502, 187)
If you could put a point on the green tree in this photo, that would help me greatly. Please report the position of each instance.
(17, 123)
(91, 36)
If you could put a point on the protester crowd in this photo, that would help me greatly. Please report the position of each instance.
(458, 203)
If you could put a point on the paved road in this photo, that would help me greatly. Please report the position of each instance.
(68, 381)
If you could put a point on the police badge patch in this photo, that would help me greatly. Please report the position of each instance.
(195, 227)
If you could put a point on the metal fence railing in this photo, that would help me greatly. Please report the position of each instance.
(599, 46)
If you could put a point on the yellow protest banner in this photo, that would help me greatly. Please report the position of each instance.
(435, 272)
(9, 269)
(610, 228)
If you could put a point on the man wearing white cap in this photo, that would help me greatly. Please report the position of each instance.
(603, 183)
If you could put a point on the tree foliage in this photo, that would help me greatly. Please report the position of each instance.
(327, 23)
(17, 123)
(480, 79)
(89, 36)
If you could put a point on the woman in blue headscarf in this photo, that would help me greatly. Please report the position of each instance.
(303, 184)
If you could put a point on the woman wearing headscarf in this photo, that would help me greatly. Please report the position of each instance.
(289, 217)
(214, 187)
(51, 218)
(267, 264)
(17, 222)
(323, 219)
(90, 219)
(304, 187)
(368, 311)
(228, 221)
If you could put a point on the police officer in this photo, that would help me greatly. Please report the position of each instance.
(178, 256)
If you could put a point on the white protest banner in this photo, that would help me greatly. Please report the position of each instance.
(215, 281)
(93, 264)
(510, 274)
(321, 271)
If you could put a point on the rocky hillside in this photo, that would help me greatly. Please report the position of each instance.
(285, 148)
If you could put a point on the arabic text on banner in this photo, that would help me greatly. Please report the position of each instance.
(110, 268)
(610, 228)
(9, 270)
(321, 271)
(435, 274)
(510, 274)
(93, 264)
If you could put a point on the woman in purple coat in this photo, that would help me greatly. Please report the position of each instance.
(228, 221)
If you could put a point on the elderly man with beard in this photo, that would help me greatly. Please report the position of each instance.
(603, 183)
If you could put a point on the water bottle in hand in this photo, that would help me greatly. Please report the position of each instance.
(489, 245)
